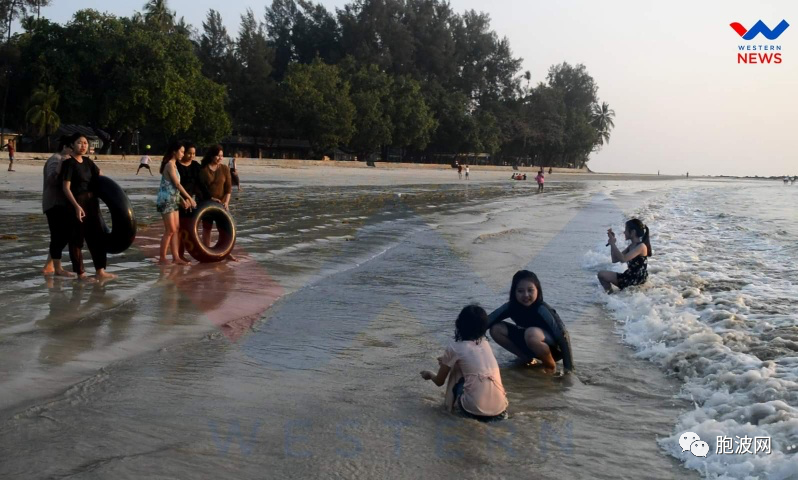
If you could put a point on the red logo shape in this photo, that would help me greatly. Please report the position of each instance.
(741, 30)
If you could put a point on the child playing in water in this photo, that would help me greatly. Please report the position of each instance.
(474, 386)
(538, 333)
(540, 179)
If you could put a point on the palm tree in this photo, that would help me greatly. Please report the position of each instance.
(157, 12)
(602, 121)
(42, 114)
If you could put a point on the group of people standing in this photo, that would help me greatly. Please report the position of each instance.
(474, 387)
(185, 183)
(73, 209)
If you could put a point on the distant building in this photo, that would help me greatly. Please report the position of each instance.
(7, 135)
(283, 148)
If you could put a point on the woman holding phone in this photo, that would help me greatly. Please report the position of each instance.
(635, 255)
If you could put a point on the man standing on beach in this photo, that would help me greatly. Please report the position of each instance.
(145, 162)
(467, 171)
(11, 150)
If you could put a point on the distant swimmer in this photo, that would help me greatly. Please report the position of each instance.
(474, 388)
(537, 333)
(636, 255)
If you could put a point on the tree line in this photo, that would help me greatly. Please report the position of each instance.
(411, 77)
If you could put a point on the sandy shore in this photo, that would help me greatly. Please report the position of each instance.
(309, 173)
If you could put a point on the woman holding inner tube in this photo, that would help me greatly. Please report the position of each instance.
(189, 171)
(171, 196)
(216, 184)
(77, 175)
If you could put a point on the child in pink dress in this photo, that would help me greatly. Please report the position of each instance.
(541, 179)
(474, 386)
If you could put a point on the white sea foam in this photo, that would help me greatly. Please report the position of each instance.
(717, 313)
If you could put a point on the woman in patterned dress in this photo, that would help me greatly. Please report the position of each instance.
(171, 196)
(636, 255)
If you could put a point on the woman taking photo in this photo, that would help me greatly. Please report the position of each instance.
(636, 255)
(77, 176)
(171, 196)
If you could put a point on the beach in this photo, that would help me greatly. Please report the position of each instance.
(302, 359)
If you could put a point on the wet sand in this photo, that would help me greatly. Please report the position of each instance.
(302, 359)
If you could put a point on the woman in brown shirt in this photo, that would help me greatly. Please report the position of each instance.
(215, 184)
(215, 176)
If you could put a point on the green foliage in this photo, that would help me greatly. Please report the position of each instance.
(121, 75)
(316, 102)
(252, 89)
(413, 120)
(371, 96)
(408, 74)
(41, 115)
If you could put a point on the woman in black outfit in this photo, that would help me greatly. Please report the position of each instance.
(189, 171)
(77, 176)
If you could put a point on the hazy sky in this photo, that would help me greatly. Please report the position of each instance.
(669, 69)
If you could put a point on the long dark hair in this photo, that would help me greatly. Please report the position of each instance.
(211, 153)
(171, 151)
(471, 324)
(642, 232)
(524, 275)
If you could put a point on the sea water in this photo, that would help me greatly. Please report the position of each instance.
(302, 359)
(719, 313)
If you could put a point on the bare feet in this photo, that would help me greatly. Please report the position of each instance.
(232, 258)
(63, 273)
(549, 371)
(85, 278)
(48, 270)
(181, 262)
(186, 260)
(104, 276)
(164, 261)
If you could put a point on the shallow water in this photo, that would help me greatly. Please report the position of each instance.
(302, 359)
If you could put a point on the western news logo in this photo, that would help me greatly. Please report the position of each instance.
(755, 55)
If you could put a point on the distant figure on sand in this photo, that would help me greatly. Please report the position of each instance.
(688, 174)
(11, 151)
(636, 255)
(459, 171)
(144, 163)
(540, 179)
(467, 171)
(538, 332)
(550, 170)
(474, 388)
(56, 207)
(234, 178)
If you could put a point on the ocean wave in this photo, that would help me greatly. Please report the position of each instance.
(715, 313)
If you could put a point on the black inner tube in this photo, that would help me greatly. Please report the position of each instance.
(123, 220)
(191, 237)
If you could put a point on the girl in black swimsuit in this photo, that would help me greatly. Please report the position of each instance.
(636, 255)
